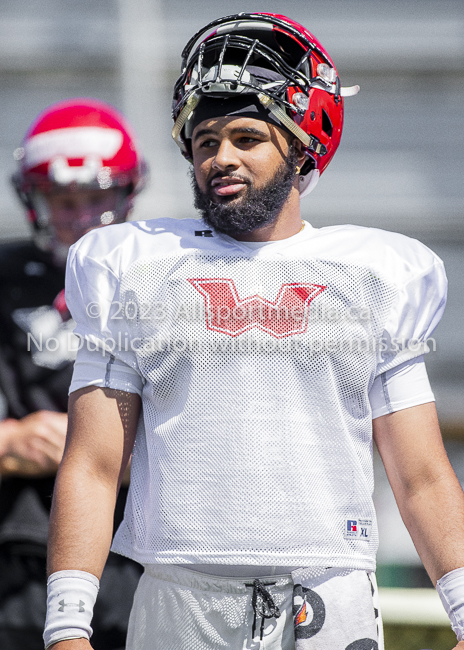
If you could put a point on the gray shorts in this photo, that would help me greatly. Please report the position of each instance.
(179, 609)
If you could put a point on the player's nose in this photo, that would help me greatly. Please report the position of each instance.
(226, 156)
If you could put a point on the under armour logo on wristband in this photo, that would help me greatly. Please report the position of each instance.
(79, 605)
(71, 596)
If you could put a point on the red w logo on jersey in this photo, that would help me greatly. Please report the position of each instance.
(225, 312)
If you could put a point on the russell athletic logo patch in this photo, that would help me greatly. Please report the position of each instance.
(358, 529)
(229, 314)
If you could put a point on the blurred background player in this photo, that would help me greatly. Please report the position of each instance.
(79, 169)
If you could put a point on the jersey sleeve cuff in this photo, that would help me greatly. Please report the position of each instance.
(402, 387)
(94, 368)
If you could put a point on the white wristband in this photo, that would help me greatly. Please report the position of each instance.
(451, 591)
(71, 596)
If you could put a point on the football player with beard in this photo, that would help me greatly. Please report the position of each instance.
(248, 361)
(79, 168)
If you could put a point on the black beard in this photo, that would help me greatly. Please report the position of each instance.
(256, 209)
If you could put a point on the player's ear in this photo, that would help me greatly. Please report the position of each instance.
(299, 148)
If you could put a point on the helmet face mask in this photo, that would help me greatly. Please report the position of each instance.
(74, 148)
(64, 216)
(278, 60)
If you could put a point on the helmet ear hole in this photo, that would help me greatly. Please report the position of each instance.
(326, 124)
(308, 166)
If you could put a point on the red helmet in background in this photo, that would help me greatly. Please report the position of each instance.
(78, 144)
(278, 60)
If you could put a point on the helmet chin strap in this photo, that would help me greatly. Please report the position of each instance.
(284, 119)
(182, 118)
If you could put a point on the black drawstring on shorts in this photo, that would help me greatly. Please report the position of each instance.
(263, 604)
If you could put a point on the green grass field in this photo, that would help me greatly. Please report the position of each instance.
(412, 637)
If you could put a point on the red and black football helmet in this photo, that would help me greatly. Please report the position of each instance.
(282, 63)
(77, 144)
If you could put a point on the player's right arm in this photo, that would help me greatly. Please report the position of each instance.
(101, 434)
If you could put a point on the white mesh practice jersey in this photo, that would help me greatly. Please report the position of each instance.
(254, 364)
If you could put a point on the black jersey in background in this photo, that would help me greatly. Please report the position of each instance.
(36, 359)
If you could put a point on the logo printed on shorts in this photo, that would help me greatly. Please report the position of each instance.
(308, 612)
(358, 529)
(225, 312)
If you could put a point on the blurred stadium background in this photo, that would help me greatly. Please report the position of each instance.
(399, 166)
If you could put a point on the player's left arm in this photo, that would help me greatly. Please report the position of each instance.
(428, 494)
